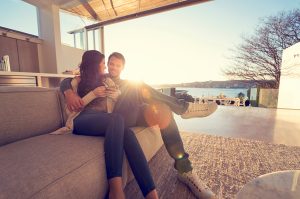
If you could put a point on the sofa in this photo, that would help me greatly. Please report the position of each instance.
(35, 164)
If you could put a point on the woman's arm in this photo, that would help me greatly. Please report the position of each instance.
(88, 98)
(112, 89)
(113, 93)
(97, 92)
(73, 99)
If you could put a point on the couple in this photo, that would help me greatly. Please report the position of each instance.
(108, 106)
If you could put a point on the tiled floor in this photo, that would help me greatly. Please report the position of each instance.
(280, 126)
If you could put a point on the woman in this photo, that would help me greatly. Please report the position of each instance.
(95, 120)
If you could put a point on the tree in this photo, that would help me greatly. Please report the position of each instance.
(259, 56)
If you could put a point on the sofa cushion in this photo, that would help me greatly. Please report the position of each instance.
(63, 105)
(26, 112)
(61, 166)
(150, 141)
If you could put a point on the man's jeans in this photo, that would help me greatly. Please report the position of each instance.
(115, 127)
(152, 105)
(156, 108)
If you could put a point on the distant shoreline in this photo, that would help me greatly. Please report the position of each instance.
(230, 84)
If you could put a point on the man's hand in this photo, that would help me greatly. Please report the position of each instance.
(113, 93)
(74, 102)
(100, 91)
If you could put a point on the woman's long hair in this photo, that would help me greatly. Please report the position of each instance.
(89, 72)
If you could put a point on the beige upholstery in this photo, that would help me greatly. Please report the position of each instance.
(150, 141)
(37, 165)
(27, 112)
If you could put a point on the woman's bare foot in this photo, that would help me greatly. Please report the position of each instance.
(116, 188)
(116, 195)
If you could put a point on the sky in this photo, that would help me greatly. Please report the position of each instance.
(183, 45)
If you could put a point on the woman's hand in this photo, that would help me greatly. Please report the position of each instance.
(100, 91)
(113, 93)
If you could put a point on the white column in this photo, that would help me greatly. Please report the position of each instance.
(101, 36)
(49, 31)
(85, 40)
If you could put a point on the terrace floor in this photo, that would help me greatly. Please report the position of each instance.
(279, 126)
(229, 149)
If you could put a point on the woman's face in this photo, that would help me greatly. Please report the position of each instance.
(102, 67)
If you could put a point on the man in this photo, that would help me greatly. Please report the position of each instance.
(155, 109)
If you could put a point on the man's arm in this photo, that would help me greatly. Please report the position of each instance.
(73, 101)
(65, 85)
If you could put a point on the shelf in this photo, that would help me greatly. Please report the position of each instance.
(48, 80)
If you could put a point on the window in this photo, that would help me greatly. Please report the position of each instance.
(91, 40)
(25, 20)
(71, 23)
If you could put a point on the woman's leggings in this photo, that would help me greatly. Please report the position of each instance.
(117, 138)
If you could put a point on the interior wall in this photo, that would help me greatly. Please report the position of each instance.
(49, 32)
(71, 58)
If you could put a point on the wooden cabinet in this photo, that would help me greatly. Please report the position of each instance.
(8, 46)
(23, 55)
(28, 56)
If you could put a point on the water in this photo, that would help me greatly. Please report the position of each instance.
(209, 92)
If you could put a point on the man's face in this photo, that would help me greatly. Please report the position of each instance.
(115, 66)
